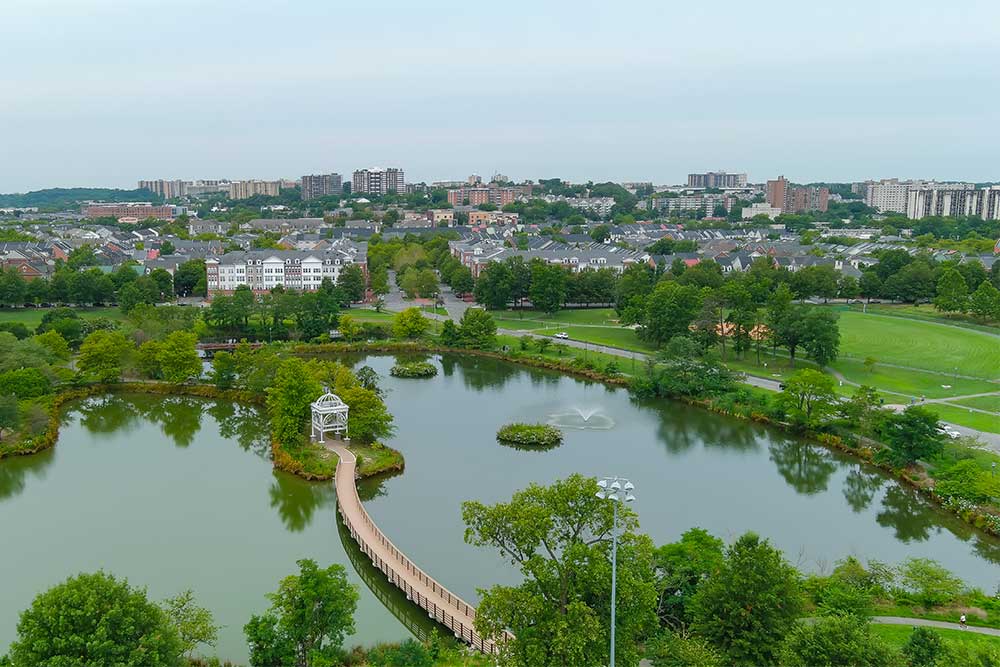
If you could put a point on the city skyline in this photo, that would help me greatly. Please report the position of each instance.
(630, 92)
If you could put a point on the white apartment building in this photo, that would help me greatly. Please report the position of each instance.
(951, 199)
(889, 194)
(599, 205)
(760, 208)
(263, 270)
(378, 181)
(706, 203)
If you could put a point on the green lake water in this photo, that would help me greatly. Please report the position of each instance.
(178, 493)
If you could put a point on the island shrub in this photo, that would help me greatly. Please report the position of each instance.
(530, 435)
(414, 369)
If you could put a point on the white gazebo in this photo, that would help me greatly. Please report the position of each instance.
(329, 415)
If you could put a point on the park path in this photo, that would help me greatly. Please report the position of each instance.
(440, 604)
(944, 625)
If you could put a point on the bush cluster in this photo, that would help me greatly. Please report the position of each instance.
(414, 369)
(530, 435)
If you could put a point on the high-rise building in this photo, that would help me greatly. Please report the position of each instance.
(247, 189)
(717, 179)
(136, 210)
(321, 185)
(378, 181)
(952, 199)
(493, 194)
(794, 198)
(164, 188)
(888, 194)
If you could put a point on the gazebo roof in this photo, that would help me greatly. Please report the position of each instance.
(329, 402)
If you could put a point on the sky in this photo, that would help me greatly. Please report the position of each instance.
(105, 92)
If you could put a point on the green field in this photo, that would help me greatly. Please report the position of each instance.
(897, 635)
(31, 317)
(920, 344)
(925, 312)
(956, 415)
(610, 336)
(599, 316)
(991, 403)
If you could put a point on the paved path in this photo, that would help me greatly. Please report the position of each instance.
(902, 620)
(441, 604)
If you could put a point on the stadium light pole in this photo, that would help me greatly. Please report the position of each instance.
(617, 490)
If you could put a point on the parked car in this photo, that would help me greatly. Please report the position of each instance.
(562, 335)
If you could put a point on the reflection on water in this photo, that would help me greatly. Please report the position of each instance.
(15, 471)
(806, 467)
(296, 502)
(860, 487)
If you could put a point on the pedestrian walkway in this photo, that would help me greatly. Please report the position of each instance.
(441, 604)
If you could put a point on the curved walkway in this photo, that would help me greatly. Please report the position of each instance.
(440, 604)
(944, 625)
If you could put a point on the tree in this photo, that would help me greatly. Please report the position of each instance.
(410, 324)
(102, 355)
(461, 280)
(449, 334)
(288, 399)
(178, 357)
(54, 343)
(910, 436)
(548, 286)
(929, 582)
(194, 625)
(952, 292)
(477, 329)
(167, 248)
(95, 620)
(671, 649)
(835, 640)
(367, 419)
(559, 537)
(600, 233)
(494, 286)
(670, 310)
(349, 328)
(924, 648)
(680, 567)
(352, 281)
(750, 605)
(10, 417)
(310, 615)
(821, 335)
(223, 373)
(809, 396)
(985, 302)
(380, 281)
(190, 278)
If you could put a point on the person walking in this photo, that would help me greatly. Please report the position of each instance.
(961, 621)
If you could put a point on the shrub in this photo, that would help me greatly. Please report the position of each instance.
(530, 435)
(409, 653)
(414, 369)
(929, 582)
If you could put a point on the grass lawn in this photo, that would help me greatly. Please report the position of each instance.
(991, 403)
(601, 360)
(897, 635)
(977, 420)
(32, 317)
(919, 344)
(626, 339)
(602, 316)
(911, 382)
(925, 312)
(365, 315)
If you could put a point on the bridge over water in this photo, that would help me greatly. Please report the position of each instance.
(440, 604)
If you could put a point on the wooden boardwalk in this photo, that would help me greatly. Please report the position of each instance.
(440, 604)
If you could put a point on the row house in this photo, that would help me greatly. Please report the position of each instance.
(263, 270)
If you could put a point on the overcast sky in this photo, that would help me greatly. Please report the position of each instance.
(105, 92)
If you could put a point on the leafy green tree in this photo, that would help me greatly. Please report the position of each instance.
(821, 335)
(103, 354)
(25, 383)
(352, 281)
(368, 419)
(967, 480)
(670, 310)
(477, 329)
(680, 567)
(548, 286)
(98, 621)
(178, 357)
(450, 336)
(671, 649)
(310, 614)
(194, 624)
(380, 281)
(559, 537)
(409, 653)
(54, 343)
(410, 323)
(750, 605)
(985, 302)
(910, 436)
(600, 233)
(288, 399)
(809, 397)
(924, 648)
(349, 328)
(929, 582)
(494, 286)
(952, 292)
(190, 278)
(10, 416)
(461, 280)
(223, 373)
(835, 640)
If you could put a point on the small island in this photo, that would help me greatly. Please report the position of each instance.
(530, 435)
(414, 369)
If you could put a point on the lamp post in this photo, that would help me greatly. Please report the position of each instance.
(617, 490)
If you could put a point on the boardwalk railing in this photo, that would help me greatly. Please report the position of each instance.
(454, 613)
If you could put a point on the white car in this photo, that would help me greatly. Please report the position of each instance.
(562, 335)
(950, 432)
